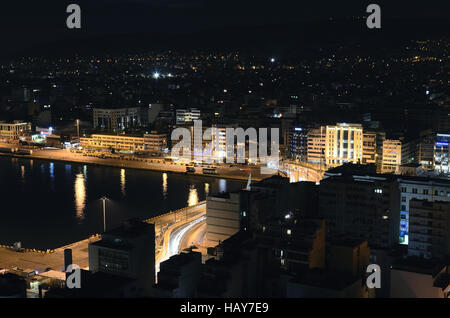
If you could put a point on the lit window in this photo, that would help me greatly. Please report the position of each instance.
(289, 232)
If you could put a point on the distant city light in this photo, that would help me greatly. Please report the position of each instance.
(272, 59)
(156, 75)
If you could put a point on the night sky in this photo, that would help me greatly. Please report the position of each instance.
(24, 24)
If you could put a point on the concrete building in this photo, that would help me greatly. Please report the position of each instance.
(179, 276)
(184, 116)
(298, 143)
(353, 200)
(344, 143)
(298, 244)
(348, 255)
(426, 152)
(222, 217)
(113, 142)
(369, 148)
(127, 251)
(420, 188)
(12, 131)
(316, 146)
(117, 120)
(155, 142)
(397, 152)
(429, 225)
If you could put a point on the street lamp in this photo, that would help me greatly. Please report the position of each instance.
(104, 212)
(78, 129)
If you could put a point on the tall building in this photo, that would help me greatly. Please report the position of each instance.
(429, 226)
(422, 189)
(298, 143)
(369, 147)
(316, 145)
(119, 119)
(344, 143)
(222, 217)
(364, 204)
(442, 153)
(397, 152)
(426, 156)
(127, 251)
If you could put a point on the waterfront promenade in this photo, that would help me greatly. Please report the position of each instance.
(238, 172)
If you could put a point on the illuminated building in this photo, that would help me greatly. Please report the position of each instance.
(316, 145)
(441, 153)
(392, 156)
(116, 142)
(298, 143)
(12, 131)
(369, 147)
(118, 119)
(344, 143)
(155, 142)
(184, 116)
(397, 152)
(373, 148)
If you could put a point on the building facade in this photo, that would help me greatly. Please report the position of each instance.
(12, 131)
(344, 143)
(117, 120)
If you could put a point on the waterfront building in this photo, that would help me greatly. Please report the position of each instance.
(13, 131)
(155, 142)
(113, 142)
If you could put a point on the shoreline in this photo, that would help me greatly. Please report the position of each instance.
(119, 164)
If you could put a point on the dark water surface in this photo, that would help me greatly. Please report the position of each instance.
(49, 204)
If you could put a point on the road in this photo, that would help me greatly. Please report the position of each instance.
(175, 235)
(239, 172)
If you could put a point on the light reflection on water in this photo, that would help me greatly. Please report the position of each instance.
(122, 181)
(164, 185)
(193, 196)
(206, 189)
(80, 196)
